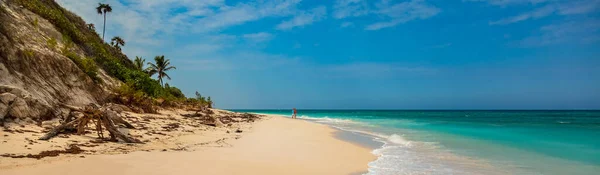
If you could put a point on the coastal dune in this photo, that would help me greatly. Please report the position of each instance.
(276, 145)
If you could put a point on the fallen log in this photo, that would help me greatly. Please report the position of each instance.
(114, 116)
(58, 129)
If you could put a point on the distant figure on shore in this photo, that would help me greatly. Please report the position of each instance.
(295, 112)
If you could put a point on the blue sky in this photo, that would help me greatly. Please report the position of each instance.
(377, 54)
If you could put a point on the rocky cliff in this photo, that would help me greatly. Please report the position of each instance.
(42, 65)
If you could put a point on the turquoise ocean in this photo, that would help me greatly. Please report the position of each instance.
(471, 141)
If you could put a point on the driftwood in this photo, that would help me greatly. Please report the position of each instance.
(212, 119)
(58, 129)
(102, 117)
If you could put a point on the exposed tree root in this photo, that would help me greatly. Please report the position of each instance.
(102, 117)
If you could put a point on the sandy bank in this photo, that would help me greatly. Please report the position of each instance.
(273, 146)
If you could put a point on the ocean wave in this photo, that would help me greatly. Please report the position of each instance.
(398, 154)
(398, 139)
(327, 119)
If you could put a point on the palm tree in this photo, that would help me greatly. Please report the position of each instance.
(102, 9)
(91, 27)
(116, 41)
(139, 63)
(162, 65)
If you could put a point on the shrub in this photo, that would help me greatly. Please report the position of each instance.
(35, 23)
(52, 43)
(142, 81)
(128, 95)
(175, 92)
(28, 53)
(85, 64)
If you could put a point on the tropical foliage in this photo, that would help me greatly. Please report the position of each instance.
(139, 63)
(160, 67)
(117, 42)
(205, 101)
(137, 82)
(91, 27)
(102, 9)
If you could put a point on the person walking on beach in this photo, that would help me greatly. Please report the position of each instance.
(295, 112)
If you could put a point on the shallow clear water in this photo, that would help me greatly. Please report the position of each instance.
(472, 142)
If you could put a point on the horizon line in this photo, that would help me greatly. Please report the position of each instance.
(421, 109)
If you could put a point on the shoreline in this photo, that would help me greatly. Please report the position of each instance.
(272, 145)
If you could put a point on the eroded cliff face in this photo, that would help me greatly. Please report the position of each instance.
(35, 76)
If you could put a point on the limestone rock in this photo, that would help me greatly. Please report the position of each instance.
(6, 98)
(35, 77)
(3, 111)
(19, 109)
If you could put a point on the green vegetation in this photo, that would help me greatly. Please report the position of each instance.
(56, 16)
(209, 102)
(87, 65)
(28, 53)
(138, 86)
(139, 63)
(91, 27)
(205, 101)
(35, 23)
(161, 67)
(130, 96)
(176, 92)
(102, 9)
(67, 45)
(51, 43)
(117, 42)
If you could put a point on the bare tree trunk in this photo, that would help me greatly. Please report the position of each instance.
(104, 27)
(58, 129)
(103, 116)
(114, 132)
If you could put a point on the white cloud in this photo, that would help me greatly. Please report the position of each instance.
(350, 8)
(579, 7)
(570, 7)
(143, 19)
(242, 13)
(258, 37)
(537, 13)
(304, 18)
(154, 25)
(346, 24)
(509, 2)
(403, 12)
(575, 32)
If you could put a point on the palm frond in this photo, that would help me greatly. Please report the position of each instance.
(99, 8)
(167, 75)
(169, 68)
(107, 8)
(151, 72)
(152, 65)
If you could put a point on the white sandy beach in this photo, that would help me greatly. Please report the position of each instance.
(276, 145)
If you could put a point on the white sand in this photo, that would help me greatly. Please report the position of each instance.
(274, 146)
